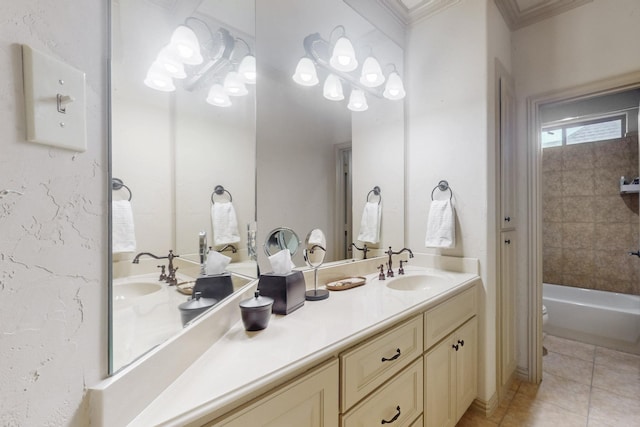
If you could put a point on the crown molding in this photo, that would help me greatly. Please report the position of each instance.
(520, 13)
(412, 11)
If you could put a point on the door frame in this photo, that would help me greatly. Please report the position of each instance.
(534, 200)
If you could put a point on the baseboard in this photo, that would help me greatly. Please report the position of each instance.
(486, 407)
(523, 374)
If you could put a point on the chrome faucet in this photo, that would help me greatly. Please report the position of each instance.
(202, 250)
(230, 247)
(390, 252)
(171, 277)
(364, 249)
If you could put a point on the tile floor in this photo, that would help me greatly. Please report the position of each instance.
(583, 385)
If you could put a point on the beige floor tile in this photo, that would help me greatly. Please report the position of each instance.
(618, 381)
(569, 347)
(622, 361)
(568, 367)
(565, 393)
(609, 409)
(474, 418)
(527, 412)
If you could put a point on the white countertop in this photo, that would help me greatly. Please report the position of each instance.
(242, 364)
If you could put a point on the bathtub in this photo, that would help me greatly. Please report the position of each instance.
(602, 318)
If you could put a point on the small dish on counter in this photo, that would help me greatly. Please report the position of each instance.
(346, 283)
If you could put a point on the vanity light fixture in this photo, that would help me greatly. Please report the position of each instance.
(224, 59)
(306, 74)
(218, 97)
(333, 88)
(357, 101)
(335, 61)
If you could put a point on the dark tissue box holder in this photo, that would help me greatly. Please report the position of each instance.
(287, 290)
(218, 286)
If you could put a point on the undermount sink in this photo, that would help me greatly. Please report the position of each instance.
(418, 282)
(130, 290)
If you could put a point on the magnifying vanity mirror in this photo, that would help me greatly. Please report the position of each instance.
(281, 238)
(284, 152)
(314, 255)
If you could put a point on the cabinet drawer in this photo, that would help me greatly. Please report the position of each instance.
(367, 366)
(399, 402)
(447, 316)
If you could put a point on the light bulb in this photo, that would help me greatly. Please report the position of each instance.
(357, 101)
(344, 56)
(247, 69)
(306, 74)
(233, 84)
(332, 89)
(394, 89)
(159, 80)
(170, 65)
(371, 73)
(185, 46)
(218, 97)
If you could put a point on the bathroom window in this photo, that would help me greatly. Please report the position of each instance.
(578, 132)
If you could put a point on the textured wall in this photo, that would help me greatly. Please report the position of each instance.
(588, 226)
(52, 238)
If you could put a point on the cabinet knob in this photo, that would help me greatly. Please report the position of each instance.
(395, 417)
(395, 356)
(461, 342)
(508, 241)
(507, 218)
(455, 346)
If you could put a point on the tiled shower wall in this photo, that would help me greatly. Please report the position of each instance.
(588, 226)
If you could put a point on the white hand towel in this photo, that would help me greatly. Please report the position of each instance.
(317, 238)
(216, 263)
(441, 225)
(123, 232)
(281, 262)
(370, 223)
(225, 223)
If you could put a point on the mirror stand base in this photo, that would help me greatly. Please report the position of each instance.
(316, 295)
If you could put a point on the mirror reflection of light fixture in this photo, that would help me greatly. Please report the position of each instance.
(185, 46)
(306, 74)
(357, 101)
(233, 84)
(344, 56)
(218, 97)
(223, 59)
(394, 89)
(333, 88)
(371, 75)
(368, 81)
(157, 79)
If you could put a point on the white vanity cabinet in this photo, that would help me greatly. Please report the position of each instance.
(309, 401)
(451, 359)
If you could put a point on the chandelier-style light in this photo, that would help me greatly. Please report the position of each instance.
(224, 65)
(340, 62)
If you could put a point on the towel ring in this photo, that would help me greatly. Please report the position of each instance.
(117, 184)
(220, 190)
(376, 192)
(442, 186)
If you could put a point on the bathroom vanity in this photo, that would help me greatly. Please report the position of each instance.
(402, 351)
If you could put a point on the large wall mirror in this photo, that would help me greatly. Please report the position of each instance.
(282, 154)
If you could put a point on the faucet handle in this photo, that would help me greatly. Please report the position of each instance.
(381, 276)
(389, 270)
(163, 275)
(401, 269)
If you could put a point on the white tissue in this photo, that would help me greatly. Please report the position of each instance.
(216, 263)
(281, 262)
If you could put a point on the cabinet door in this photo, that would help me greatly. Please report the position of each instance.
(439, 410)
(311, 401)
(508, 360)
(466, 353)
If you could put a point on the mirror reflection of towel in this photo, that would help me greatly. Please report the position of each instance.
(441, 225)
(123, 233)
(370, 223)
(225, 223)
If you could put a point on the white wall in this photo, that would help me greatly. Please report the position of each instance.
(53, 267)
(451, 137)
(590, 43)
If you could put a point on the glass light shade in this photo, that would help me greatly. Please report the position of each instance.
(332, 89)
(344, 56)
(394, 88)
(371, 73)
(306, 74)
(233, 84)
(247, 69)
(357, 101)
(159, 80)
(169, 65)
(185, 46)
(218, 97)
